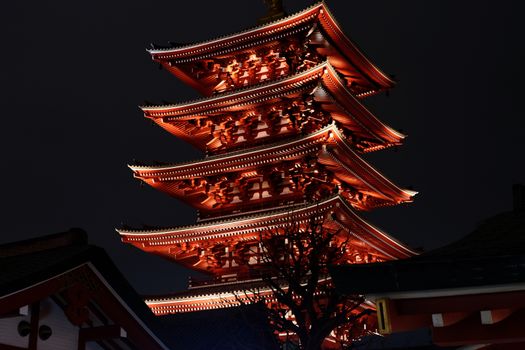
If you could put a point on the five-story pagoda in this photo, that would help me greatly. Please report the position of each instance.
(284, 132)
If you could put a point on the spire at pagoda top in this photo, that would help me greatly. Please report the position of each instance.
(297, 38)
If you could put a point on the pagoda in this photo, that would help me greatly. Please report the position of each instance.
(284, 132)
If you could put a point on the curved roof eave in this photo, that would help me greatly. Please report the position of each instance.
(318, 12)
(258, 155)
(409, 194)
(285, 85)
(245, 222)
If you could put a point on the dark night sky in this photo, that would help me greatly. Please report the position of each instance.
(74, 72)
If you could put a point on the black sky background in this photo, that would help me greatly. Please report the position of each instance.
(74, 72)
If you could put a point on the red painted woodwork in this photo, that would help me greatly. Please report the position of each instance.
(284, 131)
(299, 104)
(458, 320)
(460, 303)
(231, 245)
(224, 292)
(471, 331)
(210, 65)
(309, 167)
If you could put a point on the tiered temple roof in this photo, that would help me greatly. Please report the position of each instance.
(295, 104)
(283, 129)
(310, 166)
(228, 244)
(315, 28)
(221, 293)
(216, 296)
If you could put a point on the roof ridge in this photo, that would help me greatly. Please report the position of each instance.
(72, 237)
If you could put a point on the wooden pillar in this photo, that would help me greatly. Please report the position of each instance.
(35, 318)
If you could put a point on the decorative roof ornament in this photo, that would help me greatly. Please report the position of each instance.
(275, 11)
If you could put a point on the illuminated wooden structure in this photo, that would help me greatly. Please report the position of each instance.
(284, 132)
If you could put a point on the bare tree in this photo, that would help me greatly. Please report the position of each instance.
(303, 301)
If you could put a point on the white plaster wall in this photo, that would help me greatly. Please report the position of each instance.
(65, 335)
(9, 331)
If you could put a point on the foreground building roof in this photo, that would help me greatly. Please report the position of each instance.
(469, 292)
(488, 258)
(72, 288)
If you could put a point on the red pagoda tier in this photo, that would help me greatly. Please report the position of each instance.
(230, 245)
(283, 131)
(296, 104)
(308, 167)
(226, 291)
(271, 51)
